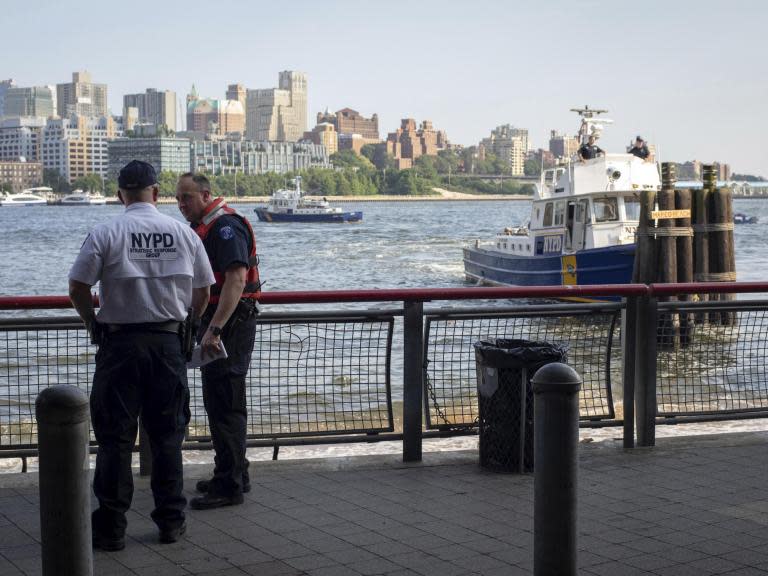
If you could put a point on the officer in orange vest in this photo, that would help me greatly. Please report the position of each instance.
(230, 319)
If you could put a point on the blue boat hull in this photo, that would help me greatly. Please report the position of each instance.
(266, 216)
(612, 265)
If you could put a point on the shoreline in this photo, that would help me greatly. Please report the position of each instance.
(441, 196)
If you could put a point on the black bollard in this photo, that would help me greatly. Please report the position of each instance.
(556, 438)
(65, 508)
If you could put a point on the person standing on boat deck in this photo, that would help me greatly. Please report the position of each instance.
(590, 150)
(151, 270)
(640, 149)
(230, 319)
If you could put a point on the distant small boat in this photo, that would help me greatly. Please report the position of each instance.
(290, 206)
(740, 218)
(80, 198)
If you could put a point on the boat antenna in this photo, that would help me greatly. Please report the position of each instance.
(588, 112)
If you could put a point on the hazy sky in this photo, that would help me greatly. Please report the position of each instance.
(690, 76)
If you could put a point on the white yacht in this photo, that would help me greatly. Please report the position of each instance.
(291, 206)
(30, 197)
(81, 198)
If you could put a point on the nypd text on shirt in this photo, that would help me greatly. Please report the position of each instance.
(152, 246)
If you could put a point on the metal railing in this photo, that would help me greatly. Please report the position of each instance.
(326, 376)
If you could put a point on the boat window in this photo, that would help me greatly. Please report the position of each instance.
(548, 214)
(632, 207)
(606, 209)
(559, 213)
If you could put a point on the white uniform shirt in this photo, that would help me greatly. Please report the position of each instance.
(147, 264)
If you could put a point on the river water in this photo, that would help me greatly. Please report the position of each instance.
(398, 245)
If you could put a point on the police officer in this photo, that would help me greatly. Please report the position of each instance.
(229, 320)
(151, 269)
(590, 150)
(640, 149)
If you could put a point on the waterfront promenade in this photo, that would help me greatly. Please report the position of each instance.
(691, 505)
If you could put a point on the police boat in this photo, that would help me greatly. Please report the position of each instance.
(584, 216)
(290, 206)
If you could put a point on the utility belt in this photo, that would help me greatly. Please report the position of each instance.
(171, 326)
(186, 331)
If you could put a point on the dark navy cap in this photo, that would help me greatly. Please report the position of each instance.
(640, 138)
(136, 175)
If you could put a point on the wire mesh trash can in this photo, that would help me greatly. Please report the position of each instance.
(505, 399)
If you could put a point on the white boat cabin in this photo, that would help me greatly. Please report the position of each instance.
(583, 204)
(287, 201)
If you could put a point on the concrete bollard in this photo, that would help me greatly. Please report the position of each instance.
(62, 414)
(556, 439)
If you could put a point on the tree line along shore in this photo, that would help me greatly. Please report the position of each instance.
(363, 176)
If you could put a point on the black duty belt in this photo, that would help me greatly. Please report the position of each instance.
(171, 326)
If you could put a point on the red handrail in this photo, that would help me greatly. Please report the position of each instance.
(427, 294)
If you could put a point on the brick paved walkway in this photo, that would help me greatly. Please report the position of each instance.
(689, 506)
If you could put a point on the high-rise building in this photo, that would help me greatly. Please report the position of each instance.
(248, 157)
(353, 130)
(237, 92)
(81, 97)
(510, 145)
(35, 101)
(278, 114)
(21, 138)
(20, 174)
(166, 154)
(213, 116)
(4, 86)
(325, 134)
(562, 146)
(407, 143)
(153, 107)
(77, 146)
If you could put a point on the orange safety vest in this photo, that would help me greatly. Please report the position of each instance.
(212, 212)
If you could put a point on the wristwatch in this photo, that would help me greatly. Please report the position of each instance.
(215, 330)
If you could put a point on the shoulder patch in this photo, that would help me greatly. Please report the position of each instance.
(226, 232)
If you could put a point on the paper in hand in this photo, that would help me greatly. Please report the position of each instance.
(197, 359)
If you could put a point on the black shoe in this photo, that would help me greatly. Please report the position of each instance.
(205, 485)
(210, 501)
(172, 535)
(107, 544)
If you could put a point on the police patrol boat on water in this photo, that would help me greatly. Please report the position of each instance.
(584, 216)
(290, 206)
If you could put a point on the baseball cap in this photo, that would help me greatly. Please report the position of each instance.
(638, 137)
(136, 175)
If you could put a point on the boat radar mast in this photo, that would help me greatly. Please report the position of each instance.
(591, 125)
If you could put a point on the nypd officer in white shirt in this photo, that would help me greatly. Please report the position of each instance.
(151, 269)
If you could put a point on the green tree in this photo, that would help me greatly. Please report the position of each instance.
(532, 167)
(89, 183)
(53, 179)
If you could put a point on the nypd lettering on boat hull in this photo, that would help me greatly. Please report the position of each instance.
(549, 244)
(152, 246)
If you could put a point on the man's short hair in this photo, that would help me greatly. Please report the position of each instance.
(200, 179)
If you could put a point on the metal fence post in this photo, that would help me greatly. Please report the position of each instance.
(556, 439)
(629, 340)
(413, 379)
(645, 370)
(62, 414)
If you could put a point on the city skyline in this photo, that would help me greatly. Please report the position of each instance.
(686, 77)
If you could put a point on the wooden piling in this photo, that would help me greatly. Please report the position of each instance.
(669, 336)
(721, 262)
(644, 271)
(701, 243)
(683, 201)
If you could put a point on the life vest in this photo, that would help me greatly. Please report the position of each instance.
(213, 212)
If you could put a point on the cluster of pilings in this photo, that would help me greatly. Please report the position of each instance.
(692, 244)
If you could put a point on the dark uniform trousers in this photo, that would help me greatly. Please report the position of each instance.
(224, 397)
(139, 373)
